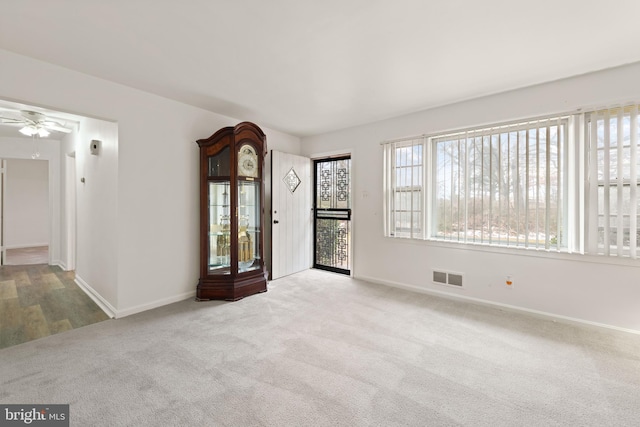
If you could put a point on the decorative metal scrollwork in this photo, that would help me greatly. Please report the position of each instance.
(342, 185)
(334, 184)
(332, 215)
(325, 185)
(332, 243)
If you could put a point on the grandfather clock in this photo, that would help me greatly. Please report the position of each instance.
(232, 213)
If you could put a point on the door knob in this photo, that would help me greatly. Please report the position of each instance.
(275, 221)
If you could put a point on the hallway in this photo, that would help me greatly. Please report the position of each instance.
(41, 300)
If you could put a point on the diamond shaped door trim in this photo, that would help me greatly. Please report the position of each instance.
(292, 180)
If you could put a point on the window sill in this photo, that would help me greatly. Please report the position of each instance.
(526, 252)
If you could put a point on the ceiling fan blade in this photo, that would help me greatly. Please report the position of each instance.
(55, 126)
(11, 121)
(33, 116)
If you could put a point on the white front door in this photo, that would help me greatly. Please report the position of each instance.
(291, 214)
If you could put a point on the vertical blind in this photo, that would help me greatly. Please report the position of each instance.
(613, 181)
(501, 186)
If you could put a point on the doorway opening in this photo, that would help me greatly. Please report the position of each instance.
(24, 211)
(332, 214)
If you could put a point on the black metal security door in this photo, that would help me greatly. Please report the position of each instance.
(332, 218)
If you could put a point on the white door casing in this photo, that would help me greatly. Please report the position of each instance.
(3, 168)
(291, 214)
(70, 211)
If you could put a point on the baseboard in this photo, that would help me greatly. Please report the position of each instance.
(29, 245)
(96, 297)
(61, 264)
(114, 313)
(544, 314)
(155, 304)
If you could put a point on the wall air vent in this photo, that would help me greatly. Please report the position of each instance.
(447, 278)
(440, 277)
(454, 279)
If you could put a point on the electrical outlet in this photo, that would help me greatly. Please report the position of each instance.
(508, 281)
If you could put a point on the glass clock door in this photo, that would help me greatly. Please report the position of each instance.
(219, 228)
(248, 225)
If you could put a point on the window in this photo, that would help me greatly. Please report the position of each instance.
(501, 186)
(406, 189)
(566, 183)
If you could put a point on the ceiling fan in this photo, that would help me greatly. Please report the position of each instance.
(34, 123)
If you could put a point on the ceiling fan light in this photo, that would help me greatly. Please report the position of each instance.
(43, 133)
(28, 130)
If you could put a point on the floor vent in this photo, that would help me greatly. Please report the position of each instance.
(447, 278)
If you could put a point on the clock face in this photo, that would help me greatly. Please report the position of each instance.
(247, 161)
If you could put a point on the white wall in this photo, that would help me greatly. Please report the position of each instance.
(96, 187)
(589, 289)
(26, 203)
(19, 148)
(152, 217)
(158, 197)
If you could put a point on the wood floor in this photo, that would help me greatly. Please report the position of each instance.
(24, 256)
(41, 300)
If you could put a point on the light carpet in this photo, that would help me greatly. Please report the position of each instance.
(320, 349)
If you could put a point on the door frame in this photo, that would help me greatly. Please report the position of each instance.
(3, 183)
(70, 210)
(53, 203)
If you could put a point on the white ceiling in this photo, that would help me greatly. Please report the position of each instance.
(308, 67)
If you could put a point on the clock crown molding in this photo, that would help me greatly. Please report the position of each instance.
(241, 131)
